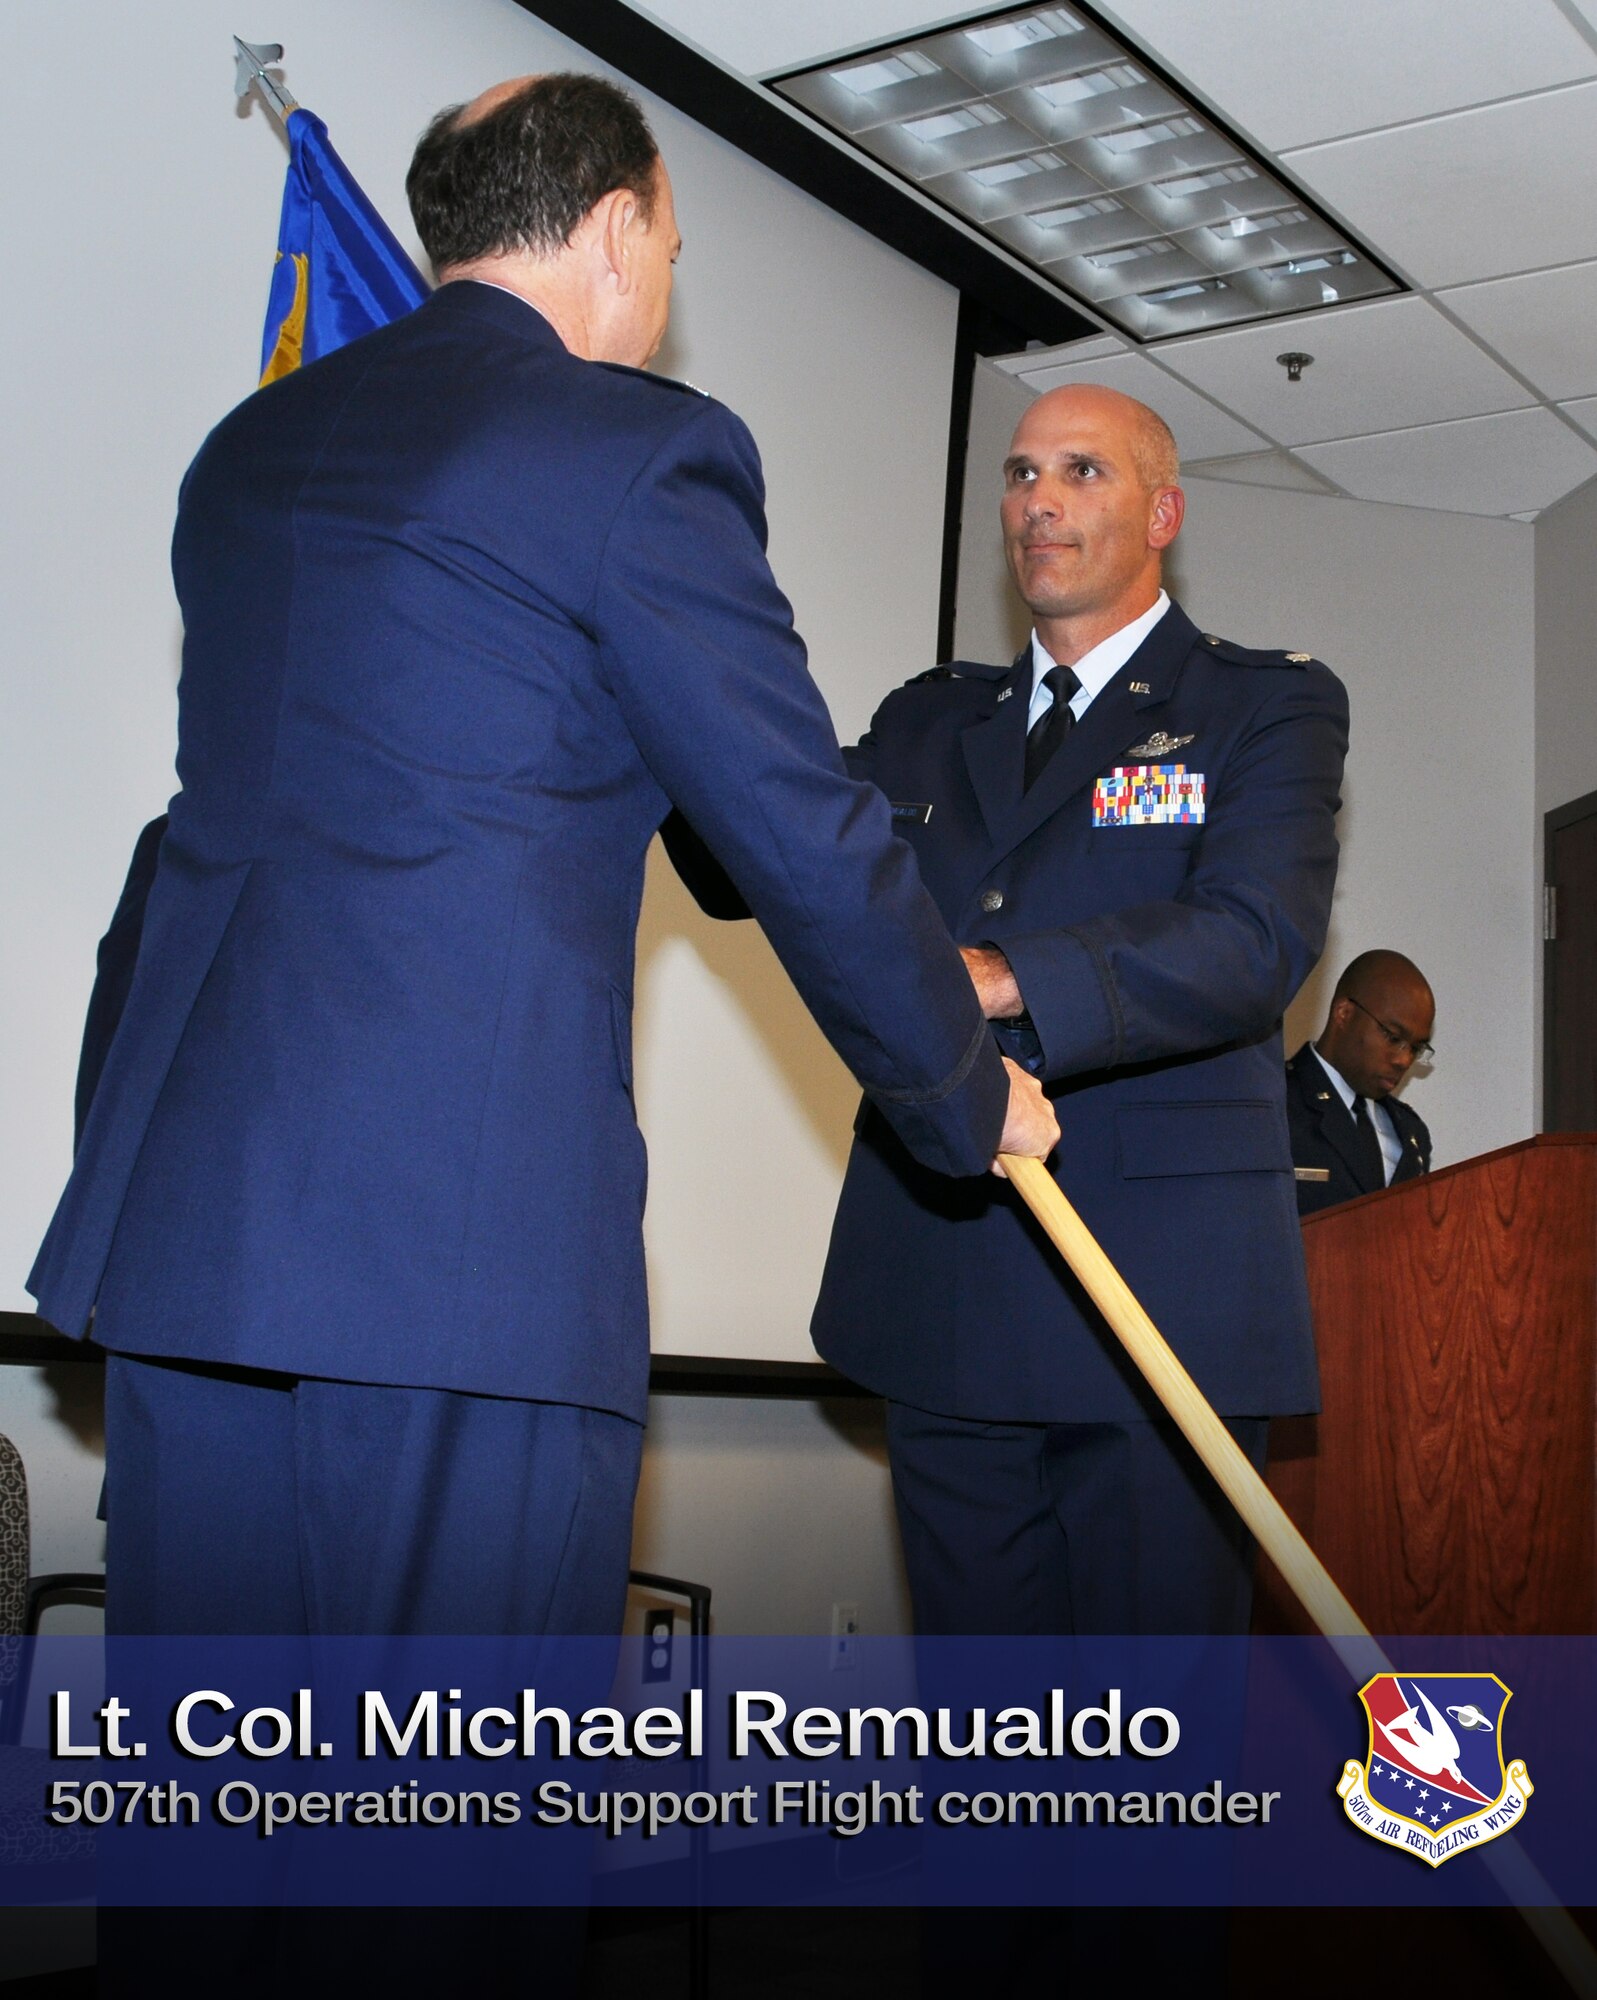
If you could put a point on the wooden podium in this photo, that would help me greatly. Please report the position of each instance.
(1449, 1483)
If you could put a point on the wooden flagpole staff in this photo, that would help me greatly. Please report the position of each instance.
(1273, 1529)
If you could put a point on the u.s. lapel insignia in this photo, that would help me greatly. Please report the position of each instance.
(1158, 745)
(1140, 687)
(1005, 693)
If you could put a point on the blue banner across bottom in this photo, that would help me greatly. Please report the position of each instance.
(1055, 1773)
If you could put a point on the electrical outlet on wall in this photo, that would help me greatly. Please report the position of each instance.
(845, 1636)
(658, 1627)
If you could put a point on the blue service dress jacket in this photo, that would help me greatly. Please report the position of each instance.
(463, 616)
(1324, 1138)
(1156, 960)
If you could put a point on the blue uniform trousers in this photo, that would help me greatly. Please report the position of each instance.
(1068, 1528)
(240, 1501)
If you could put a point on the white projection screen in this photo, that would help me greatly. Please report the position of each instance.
(145, 251)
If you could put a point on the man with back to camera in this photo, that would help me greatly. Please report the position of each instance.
(1131, 831)
(357, 1206)
(1351, 1133)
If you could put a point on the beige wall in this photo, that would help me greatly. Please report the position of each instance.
(785, 1509)
(991, 623)
(1566, 670)
(1566, 650)
(145, 247)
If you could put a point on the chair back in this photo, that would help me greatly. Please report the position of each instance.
(15, 1556)
(15, 1553)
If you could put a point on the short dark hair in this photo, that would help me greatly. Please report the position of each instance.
(1376, 968)
(524, 176)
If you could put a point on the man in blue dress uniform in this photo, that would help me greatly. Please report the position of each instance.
(1131, 829)
(1351, 1133)
(467, 605)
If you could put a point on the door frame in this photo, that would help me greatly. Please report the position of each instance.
(1554, 822)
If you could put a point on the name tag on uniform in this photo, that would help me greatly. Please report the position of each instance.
(1148, 795)
(905, 809)
(1312, 1173)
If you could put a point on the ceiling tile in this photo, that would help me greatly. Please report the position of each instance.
(1480, 194)
(1394, 363)
(1485, 465)
(1056, 357)
(1542, 325)
(1201, 430)
(1298, 70)
(1259, 468)
(1584, 413)
(766, 40)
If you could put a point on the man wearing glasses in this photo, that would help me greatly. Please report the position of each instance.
(1351, 1133)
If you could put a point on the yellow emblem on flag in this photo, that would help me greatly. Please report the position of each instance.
(289, 349)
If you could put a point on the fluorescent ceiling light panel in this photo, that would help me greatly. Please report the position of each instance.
(1043, 131)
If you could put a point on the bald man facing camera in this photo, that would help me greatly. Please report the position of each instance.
(1351, 1133)
(1130, 831)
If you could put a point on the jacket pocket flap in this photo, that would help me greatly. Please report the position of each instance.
(1238, 1138)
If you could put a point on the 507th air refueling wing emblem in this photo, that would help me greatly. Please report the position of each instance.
(1434, 1782)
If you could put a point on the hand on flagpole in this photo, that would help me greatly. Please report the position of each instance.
(1031, 1131)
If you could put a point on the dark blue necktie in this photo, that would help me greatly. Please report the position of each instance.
(1372, 1161)
(1053, 725)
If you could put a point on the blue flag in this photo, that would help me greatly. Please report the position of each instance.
(339, 270)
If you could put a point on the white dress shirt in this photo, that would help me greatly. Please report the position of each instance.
(1380, 1118)
(1095, 670)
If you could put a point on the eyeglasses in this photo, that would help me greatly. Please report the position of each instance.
(1420, 1051)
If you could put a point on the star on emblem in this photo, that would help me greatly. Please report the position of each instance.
(1158, 745)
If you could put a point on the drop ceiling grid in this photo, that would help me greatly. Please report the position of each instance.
(1298, 72)
(1483, 192)
(1458, 138)
(1203, 428)
(1432, 359)
(1387, 365)
(1584, 413)
(1516, 462)
(757, 38)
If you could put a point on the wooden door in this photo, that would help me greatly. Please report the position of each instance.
(1569, 1020)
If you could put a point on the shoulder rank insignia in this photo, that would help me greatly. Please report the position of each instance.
(1253, 656)
(1158, 745)
(974, 671)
